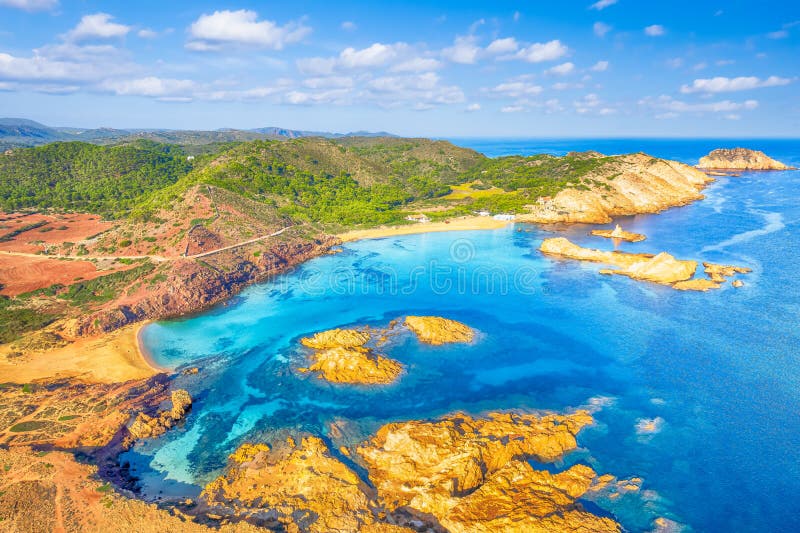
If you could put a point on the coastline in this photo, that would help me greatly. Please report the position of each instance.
(454, 224)
(113, 357)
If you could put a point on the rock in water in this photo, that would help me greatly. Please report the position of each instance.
(739, 159)
(357, 365)
(619, 233)
(471, 474)
(333, 338)
(438, 330)
(301, 488)
(341, 357)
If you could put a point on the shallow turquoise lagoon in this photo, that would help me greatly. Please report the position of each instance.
(718, 372)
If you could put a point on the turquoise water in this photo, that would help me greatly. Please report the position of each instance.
(719, 371)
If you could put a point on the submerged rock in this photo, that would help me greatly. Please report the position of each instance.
(740, 159)
(437, 330)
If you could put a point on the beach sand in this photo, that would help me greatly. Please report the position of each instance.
(110, 358)
(454, 224)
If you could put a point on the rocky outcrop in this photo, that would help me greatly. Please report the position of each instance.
(354, 365)
(336, 338)
(471, 474)
(721, 273)
(341, 357)
(632, 184)
(661, 268)
(146, 426)
(296, 487)
(457, 474)
(437, 330)
(193, 285)
(619, 233)
(739, 159)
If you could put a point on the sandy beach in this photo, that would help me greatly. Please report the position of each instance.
(454, 224)
(114, 357)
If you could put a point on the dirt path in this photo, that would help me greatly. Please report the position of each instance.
(156, 258)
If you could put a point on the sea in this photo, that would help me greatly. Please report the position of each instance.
(697, 394)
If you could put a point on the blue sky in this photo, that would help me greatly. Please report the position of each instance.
(543, 69)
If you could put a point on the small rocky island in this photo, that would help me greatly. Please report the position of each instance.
(661, 268)
(740, 159)
(343, 355)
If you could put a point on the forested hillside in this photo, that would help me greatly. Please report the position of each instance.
(77, 176)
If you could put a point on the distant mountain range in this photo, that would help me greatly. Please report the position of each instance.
(16, 132)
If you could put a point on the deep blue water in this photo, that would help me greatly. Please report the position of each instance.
(719, 370)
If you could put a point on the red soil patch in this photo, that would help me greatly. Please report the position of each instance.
(19, 274)
(56, 230)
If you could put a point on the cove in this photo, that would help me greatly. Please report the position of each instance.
(717, 374)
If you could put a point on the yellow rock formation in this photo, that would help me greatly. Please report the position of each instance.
(619, 233)
(304, 487)
(334, 338)
(720, 273)
(341, 357)
(145, 426)
(699, 284)
(634, 184)
(355, 365)
(739, 159)
(468, 472)
(438, 330)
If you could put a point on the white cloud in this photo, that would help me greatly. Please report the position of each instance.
(422, 90)
(464, 51)
(349, 25)
(316, 65)
(602, 4)
(562, 70)
(564, 86)
(473, 107)
(700, 66)
(600, 66)
(656, 30)
(30, 5)
(417, 64)
(669, 104)
(516, 89)
(147, 33)
(375, 55)
(601, 29)
(512, 109)
(517, 15)
(724, 62)
(56, 64)
(503, 46)
(97, 26)
(242, 27)
(721, 84)
(151, 86)
(780, 34)
(539, 52)
(329, 82)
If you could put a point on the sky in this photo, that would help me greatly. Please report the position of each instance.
(573, 68)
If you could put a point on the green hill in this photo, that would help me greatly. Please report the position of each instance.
(77, 176)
